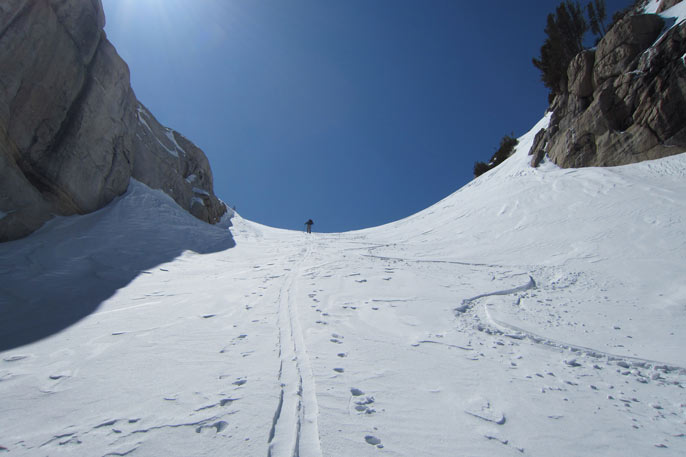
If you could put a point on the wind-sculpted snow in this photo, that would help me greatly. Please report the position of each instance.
(533, 312)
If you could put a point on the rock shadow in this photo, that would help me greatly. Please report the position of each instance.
(67, 269)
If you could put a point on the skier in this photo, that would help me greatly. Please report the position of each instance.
(309, 225)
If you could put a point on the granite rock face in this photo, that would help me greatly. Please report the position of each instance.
(165, 159)
(72, 133)
(580, 74)
(631, 36)
(625, 101)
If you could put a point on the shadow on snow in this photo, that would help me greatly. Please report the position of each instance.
(62, 273)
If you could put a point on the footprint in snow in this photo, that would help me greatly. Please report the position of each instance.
(217, 426)
(106, 424)
(15, 358)
(482, 408)
(56, 376)
(374, 441)
(363, 405)
(223, 402)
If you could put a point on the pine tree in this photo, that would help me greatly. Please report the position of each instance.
(480, 168)
(596, 16)
(550, 60)
(507, 145)
(565, 31)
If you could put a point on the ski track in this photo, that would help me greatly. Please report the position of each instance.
(512, 331)
(294, 431)
(449, 262)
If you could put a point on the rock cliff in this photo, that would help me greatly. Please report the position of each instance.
(625, 101)
(72, 133)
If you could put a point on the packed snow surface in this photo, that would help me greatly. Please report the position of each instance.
(534, 312)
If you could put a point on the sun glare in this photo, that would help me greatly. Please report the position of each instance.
(204, 19)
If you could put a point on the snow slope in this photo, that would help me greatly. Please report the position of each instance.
(533, 312)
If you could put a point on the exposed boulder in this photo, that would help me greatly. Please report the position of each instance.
(636, 109)
(539, 147)
(623, 42)
(72, 133)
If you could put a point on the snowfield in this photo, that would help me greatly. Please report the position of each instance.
(534, 312)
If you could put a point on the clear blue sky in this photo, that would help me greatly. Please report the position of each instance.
(353, 113)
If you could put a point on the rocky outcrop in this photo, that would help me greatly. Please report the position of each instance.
(580, 74)
(626, 40)
(625, 101)
(165, 159)
(72, 133)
